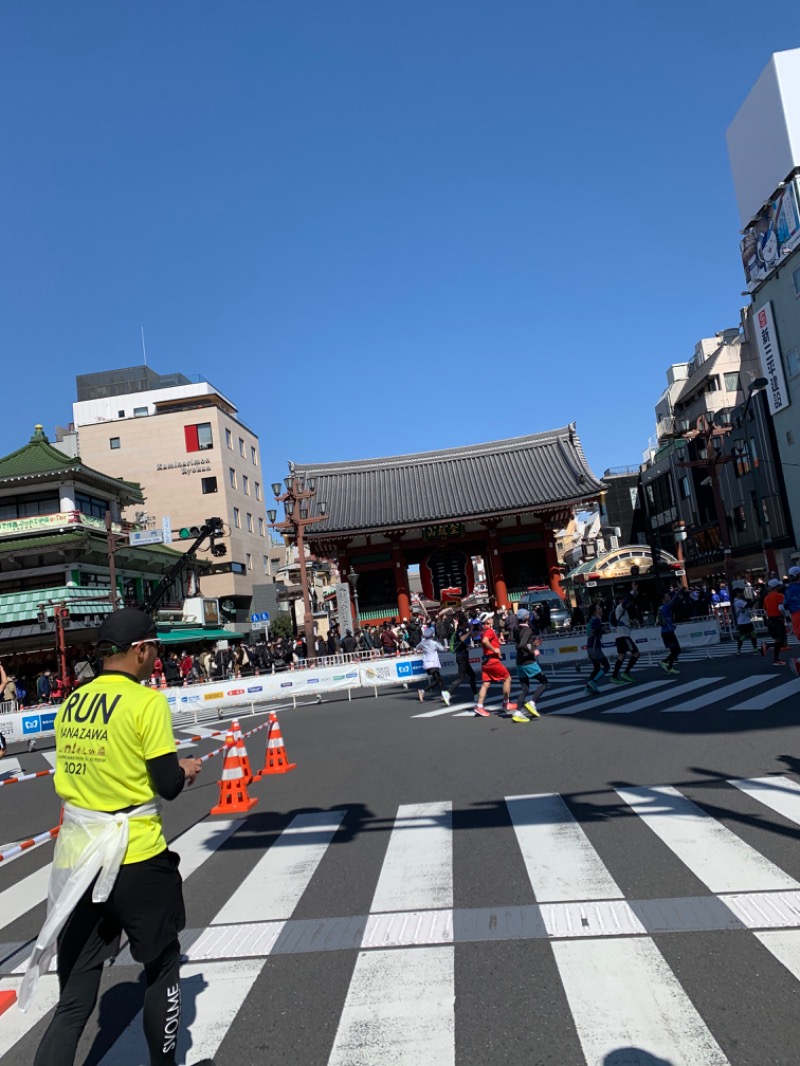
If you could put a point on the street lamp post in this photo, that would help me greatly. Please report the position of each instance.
(295, 502)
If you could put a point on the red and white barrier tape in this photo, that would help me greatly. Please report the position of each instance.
(27, 777)
(17, 849)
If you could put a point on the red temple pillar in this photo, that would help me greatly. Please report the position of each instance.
(400, 576)
(496, 563)
(553, 565)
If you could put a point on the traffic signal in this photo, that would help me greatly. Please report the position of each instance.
(41, 617)
(189, 531)
(218, 550)
(214, 525)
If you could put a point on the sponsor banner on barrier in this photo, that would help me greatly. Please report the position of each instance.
(22, 725)
(245, 692)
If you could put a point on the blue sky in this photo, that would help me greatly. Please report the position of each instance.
(419, 225)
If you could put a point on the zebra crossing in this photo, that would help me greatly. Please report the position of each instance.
(665, 695)
(401, 1002)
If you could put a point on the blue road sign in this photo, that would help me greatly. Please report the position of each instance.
(264, 616)
(255, 617)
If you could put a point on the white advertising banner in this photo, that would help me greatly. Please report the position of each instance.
(770, 353)
(555, 650)
(218, 699)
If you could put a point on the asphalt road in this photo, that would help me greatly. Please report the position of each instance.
(440, 890)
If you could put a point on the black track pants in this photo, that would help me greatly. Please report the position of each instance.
(161, 1016)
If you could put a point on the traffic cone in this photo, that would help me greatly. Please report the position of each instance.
(276, 761)
(162, 681)
(236, 729)
(233, 797)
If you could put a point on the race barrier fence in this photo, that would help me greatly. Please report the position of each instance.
(220, 699)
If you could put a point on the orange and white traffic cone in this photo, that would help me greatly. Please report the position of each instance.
(233, 797)
(162, 681)
(276, 761)
(236, 729)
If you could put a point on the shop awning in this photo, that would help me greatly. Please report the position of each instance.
(191, 636)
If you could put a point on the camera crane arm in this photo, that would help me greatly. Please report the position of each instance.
(211, 528)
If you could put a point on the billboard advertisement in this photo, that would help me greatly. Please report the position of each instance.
(773, 234)
(770, 354)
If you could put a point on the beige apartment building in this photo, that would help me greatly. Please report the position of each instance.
(182, 440)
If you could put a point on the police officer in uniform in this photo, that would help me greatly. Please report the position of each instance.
(116, 753)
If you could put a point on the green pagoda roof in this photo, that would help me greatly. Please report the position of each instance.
(38, 458)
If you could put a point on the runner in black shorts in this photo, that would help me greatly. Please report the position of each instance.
(118, 772)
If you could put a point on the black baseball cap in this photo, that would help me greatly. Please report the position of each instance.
(125, 627)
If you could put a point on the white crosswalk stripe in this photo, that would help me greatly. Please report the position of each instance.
(399, 999)
(668, 695)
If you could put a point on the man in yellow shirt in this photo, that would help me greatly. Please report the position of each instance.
(115, 753)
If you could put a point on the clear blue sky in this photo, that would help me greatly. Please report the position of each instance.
(426, 224)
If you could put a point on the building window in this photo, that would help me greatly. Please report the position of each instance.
(249, 561)
(91, 505)
(253, 457)
(232, 477)
(140, 412)
(228, 438)
(237, 518)
(208, 484)
(249, 523)
(796, 280)
(241, 447)
(793, 361)
(686, 489)
(732, 382)
(29, 506)
(120, 414)
(713, 383)
(238, 568)
(266, 565)
(113, 443)
(261, 527)
(199, 437)
(245, 484)
(258, 490)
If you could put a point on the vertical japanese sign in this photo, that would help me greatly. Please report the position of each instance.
(770, 353)
(344, 610)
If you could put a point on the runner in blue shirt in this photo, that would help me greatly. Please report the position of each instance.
(594, 648)
(668, 635)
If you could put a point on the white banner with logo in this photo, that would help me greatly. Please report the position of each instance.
(770, 353)
(218, 699)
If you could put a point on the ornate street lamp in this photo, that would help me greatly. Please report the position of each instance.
(296, 508)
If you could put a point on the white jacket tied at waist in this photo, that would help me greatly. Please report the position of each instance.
(90, 844)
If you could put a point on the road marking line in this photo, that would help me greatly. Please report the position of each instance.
(646, 704)
(24, 895)
(622, 992)
(702, 702)
(16, 1024)
(10, 767)
(768, 699)
(201, 841)
(212, 994)
(779, 793)
(783, 945)
(715, 855)
(615, 695)
(417, 870)
(561, 863)
(273, 887)
(399, 1010)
